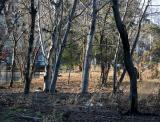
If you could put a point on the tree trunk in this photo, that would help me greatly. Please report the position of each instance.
(115, 67)
(102, 73)
(30, 48)
(48, 75)
(69, 74)
(2, 5)
(127, 58)
(52, 52)
(134, 43)
(107, 69)
(85, 77)
(40, 31)
(63, 44)
(102, 76)
(42, 44)
(117, 51)
(3, 31)
(140, 70)
(13, 64)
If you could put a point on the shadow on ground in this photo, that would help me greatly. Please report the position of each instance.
(73, 107)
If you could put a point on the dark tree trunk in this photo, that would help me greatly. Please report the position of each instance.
(80, 67)
(117, 51)
(134, 44)
(102, 62)
(107, 73)
(127, 58)
(69, 74)
(30, 48)
(103, 76)
(104, 73)
(2, 5)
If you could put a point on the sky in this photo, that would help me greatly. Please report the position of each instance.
(156, 17)
(155, 2)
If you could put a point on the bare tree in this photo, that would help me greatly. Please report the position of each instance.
(54, 47)
(13, 62)
(105, 66)
(30, 48)
(127, 57)
(117, 50)
(61, 48)
(87, 60)
(135, 41)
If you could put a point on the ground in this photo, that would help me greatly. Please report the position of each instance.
(68, 105)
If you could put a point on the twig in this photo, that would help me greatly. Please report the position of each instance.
(30, 117)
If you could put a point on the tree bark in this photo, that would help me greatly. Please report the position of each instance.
(48, 75)
(134, 43)
(117, 51)
(47, 66)
(115, 67)
(103, 76)
(2, 5)
(52, 53)
(87, 61)
(13, 63)
(63, 44)
(30, 48)
(3, 31)
(127, 58)
(69, 74)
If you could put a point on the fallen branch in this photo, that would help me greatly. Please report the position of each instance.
(29, 117)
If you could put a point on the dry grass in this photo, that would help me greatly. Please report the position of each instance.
(100, 105)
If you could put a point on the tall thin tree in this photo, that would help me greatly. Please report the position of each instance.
(30, 48)
(135, 41)
(127, 57)
(62, 46)
(58, 5)
(90, 39)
